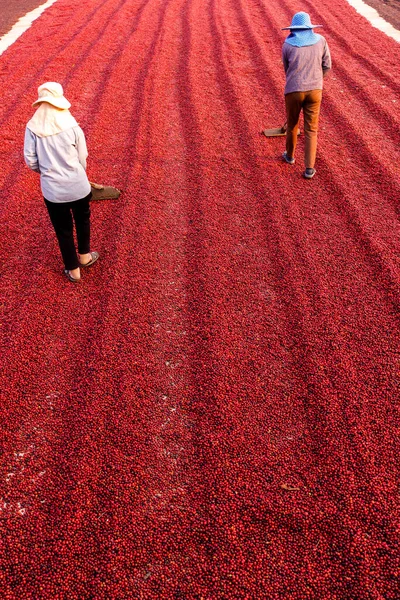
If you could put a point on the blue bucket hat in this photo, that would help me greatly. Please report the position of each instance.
(301, 31)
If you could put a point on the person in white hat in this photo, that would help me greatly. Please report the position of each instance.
(306, 59)
(55, 147)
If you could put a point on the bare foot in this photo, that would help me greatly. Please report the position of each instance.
(85, 258)
(88, 259)
(75, 273)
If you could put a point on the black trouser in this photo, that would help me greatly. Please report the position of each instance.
(61, 218)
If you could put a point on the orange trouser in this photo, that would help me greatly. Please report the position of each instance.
(310, 102)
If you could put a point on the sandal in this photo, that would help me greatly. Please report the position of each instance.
(70, 278)
(94, 255)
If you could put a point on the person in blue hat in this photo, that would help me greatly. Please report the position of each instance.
(306, 60)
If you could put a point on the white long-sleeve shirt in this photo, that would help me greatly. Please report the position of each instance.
(61, 161)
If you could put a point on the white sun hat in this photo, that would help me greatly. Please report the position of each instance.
(52, 93)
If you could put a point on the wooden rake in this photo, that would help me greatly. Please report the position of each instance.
(104, 192)
(277, 132)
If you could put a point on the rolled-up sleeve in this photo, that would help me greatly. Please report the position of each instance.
(30, 154)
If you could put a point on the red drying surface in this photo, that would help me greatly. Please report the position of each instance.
(214, 411)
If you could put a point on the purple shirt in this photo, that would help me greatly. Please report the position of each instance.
(306, 66)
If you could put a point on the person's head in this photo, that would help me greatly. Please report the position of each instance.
(52, 93)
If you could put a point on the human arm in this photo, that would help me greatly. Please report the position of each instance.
(285, 59)
(81, 146)
(30, 154)
(326, 59)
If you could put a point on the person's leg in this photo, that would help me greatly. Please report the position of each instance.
(81, 212)
(311, 109)
(293, 102)
(61, 219)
